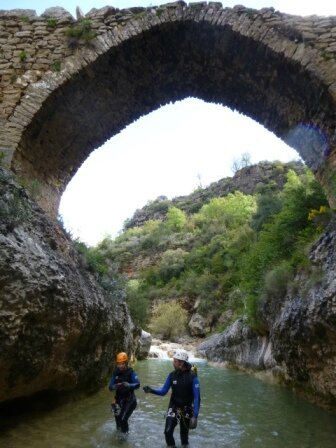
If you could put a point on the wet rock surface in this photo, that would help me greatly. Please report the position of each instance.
(144, 345)
(299, 346)
(58, 331)
(238, 344)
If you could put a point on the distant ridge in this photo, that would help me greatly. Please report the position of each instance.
(248, 180)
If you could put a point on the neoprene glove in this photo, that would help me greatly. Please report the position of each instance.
(193, 423)
(147, 389)
(116, 386)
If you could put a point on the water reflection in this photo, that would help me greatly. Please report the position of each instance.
(237, 411)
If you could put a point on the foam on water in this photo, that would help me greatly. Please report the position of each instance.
(165, 351)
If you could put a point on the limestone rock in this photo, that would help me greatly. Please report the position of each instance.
(304, 329)
(144, 345)
(58, 331)
(102, 12)
(197, 325)
(79, 13)
(59, 13)
(239, 345)
(31, 13)
(299, 344)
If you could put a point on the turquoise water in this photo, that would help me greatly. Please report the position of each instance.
(237, 411)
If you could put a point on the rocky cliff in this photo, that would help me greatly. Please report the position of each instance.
(299, 344)
(58, 330)
(247, 180)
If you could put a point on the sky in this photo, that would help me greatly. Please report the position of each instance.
(169, 152)
(299, 7)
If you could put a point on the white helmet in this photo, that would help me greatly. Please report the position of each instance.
(181, 354)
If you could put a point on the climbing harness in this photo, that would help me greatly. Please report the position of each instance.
(115, 408)
(182, 415)
(170, 413)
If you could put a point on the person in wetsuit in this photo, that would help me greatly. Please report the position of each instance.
(184, 401)
(124, 381)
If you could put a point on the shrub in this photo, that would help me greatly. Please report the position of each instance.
(321, 217)
(56, 66)
(176, 220)
(172, 263)
(236, 299)
(168, 320)
(13, 210)
(231, 211)
(286, 234)
(23, 56)
(82, 32)
(35, 189)
(189, 283)
(159, 205)
(252, 312)
(137, 302)
(268, 204)
(277, 280)
(96, 261)
(315, 279)
(51, 22)
(114, 284)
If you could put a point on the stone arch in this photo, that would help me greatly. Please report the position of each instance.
(231, 57)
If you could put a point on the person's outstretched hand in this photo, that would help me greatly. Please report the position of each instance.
(147, 389)
(193, 423)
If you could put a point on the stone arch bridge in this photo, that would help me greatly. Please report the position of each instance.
(68, 85)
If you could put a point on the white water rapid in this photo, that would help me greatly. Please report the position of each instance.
(165, 350)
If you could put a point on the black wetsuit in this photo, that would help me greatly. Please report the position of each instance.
(125, 397)
(184, 403)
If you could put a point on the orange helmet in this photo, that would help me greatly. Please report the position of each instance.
(122, 357)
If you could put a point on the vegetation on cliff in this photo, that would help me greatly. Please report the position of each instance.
(223, 260)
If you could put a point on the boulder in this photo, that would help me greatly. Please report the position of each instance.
(197, 325)
(58, 13)
(239, 345)
(144, 345)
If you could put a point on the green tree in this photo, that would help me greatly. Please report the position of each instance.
(268, 204)
(172, 263)
(280, 244)
(137, 302)
(168, 320)
(176, 220)
(229, 211)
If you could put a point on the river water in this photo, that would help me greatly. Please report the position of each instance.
(237, 411)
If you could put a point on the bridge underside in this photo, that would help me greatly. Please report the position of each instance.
(165, 64)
